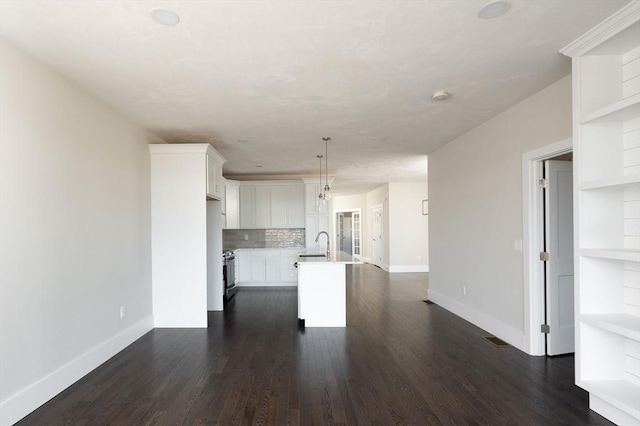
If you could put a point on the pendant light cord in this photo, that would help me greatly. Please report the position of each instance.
(326, 164)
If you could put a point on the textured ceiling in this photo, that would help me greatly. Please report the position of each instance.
(264, 81)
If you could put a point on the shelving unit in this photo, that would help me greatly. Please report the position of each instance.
(606, 91)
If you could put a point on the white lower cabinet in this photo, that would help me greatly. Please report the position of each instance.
(267, 267)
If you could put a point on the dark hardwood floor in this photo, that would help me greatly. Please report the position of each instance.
(399, 361)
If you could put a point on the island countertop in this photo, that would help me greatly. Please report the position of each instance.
(336, 257)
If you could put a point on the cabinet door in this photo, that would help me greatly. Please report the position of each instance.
(279, 206)
(262, 213)
(247, 207)
(288, 271)
(272, 267)
(258, 270)
(295, 206)
(232, 211)
(243, 265)
(214, 177)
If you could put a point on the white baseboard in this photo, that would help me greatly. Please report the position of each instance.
(267, 284)
(33, 396)
(611, 412)
(409, 268)
(514, 337)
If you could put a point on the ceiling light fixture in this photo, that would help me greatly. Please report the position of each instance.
(165, 17)
(440, 95)
(327, 188)
(321, 195)
(494, 9)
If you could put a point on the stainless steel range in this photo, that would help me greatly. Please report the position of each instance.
(229, 274)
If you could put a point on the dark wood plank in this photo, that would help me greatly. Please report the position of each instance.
(399, 361)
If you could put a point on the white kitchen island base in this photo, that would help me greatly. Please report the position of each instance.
(322, 294)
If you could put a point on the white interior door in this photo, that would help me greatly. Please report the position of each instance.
(340, 233)
(355, 235)
(377, 253)
(346, 233)
(559, 267)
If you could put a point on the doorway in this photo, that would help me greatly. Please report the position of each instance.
(349, 232)
(377, 231)
(548, 249)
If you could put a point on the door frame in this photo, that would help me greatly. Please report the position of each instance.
(335, 226)
(372, 210)
(533, 242)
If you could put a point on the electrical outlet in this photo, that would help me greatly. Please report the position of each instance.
(517, 245)
(464, 290)
(246, 237)
(123, 312)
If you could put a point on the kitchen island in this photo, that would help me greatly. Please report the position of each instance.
(322, 289)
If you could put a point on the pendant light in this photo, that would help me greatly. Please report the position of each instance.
(321, 195)
(327, 188)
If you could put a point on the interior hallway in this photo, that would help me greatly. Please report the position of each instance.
(399, 361)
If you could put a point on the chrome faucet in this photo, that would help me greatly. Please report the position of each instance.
(318, 237)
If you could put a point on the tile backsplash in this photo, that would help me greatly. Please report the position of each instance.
(262, 238)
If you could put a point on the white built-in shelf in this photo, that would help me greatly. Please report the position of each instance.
(619, 393)
(614, 254)
(633, 179)
(623, 110)
(625, 325)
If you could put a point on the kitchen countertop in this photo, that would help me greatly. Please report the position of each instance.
(336, 257)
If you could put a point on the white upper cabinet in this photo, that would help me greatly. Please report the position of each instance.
(232, 205)
(271, 205)
(247, 207)
(215, 185)
(287, 206)
(295, 206)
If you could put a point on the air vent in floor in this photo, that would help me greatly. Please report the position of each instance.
(498, 343)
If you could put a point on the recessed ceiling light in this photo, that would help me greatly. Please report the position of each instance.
(440, 95)
(494, 9)
(165, 17)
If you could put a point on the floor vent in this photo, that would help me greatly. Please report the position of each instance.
(498, 343)
(428, 302)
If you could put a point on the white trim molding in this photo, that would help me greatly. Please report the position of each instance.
(19, 405)
(409, 268)
(267, 284)
(532, 243)
(604, 30)
(491, 325)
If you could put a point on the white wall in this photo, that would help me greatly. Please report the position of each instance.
(75, 226)
(408, 228)
(475, 203)
(406, 248)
